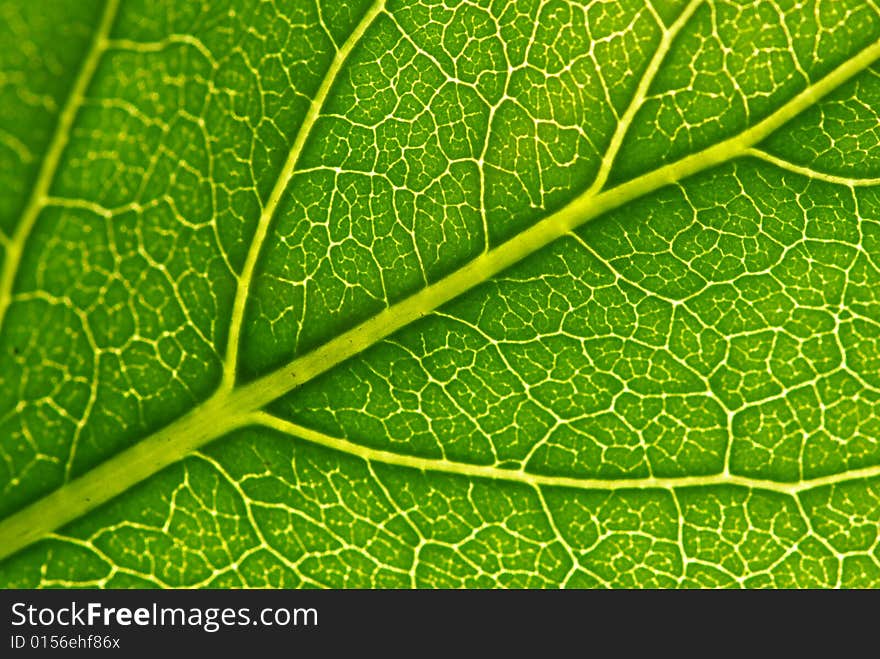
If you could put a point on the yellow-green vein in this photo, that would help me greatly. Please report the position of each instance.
(287, 171)
(46, 174)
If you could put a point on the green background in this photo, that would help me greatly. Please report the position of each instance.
(683, 391)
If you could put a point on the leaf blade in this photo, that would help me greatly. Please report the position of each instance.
(234, 406)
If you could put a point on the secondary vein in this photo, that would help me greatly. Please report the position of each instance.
(46, 174)
(640, 94)
(811, 173)
(287, 172)
(491, 472)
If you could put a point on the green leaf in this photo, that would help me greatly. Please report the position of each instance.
(531, 293)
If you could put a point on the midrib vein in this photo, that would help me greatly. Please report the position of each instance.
(287, 172)
(49, 167)
(578, 212)
(229, 409)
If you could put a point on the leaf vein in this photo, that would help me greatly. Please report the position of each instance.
(57, 144)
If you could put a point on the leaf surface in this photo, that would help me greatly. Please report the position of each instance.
(395, 294)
